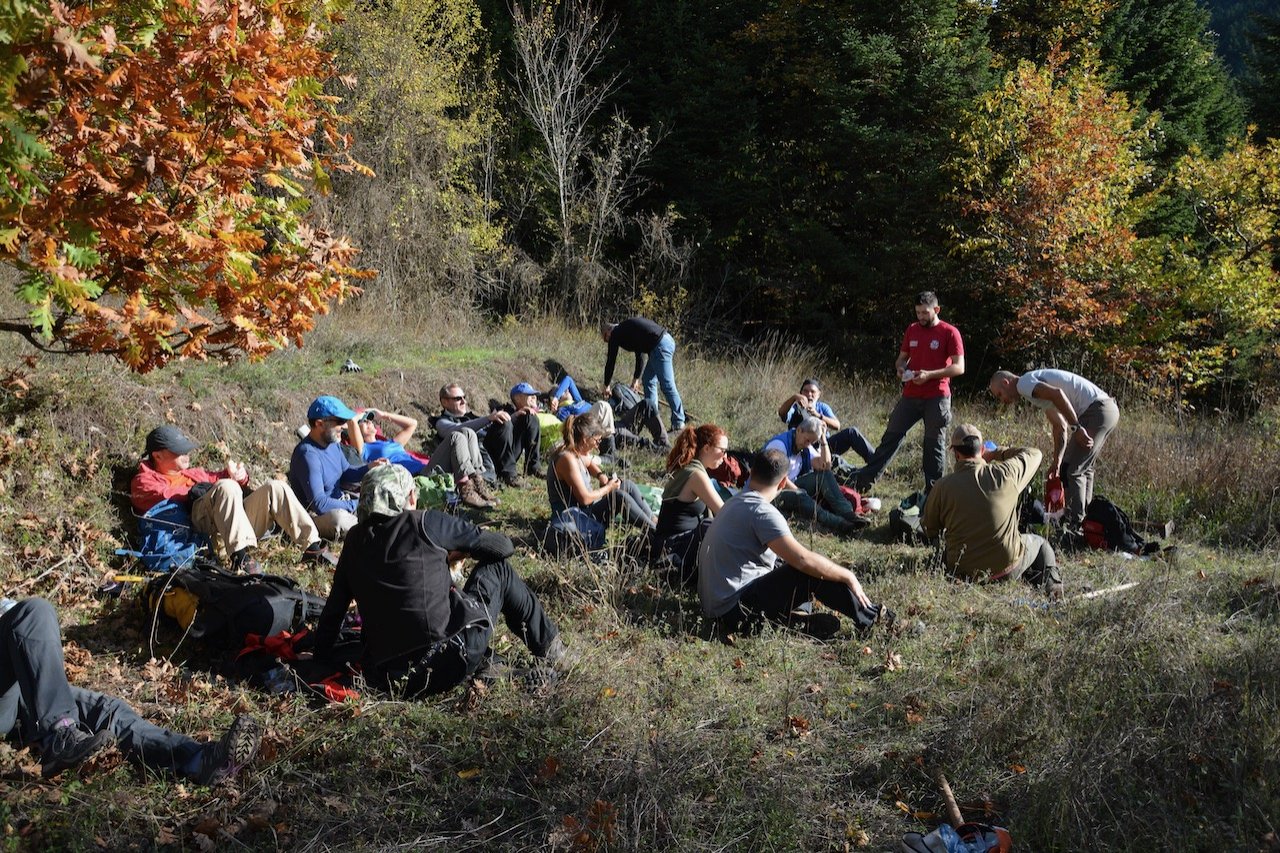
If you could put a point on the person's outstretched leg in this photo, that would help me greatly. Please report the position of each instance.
(851, 438)
(503, 592)
(150, 745)
(628, 501)
(778, 593)
(903, 417)
(822, 486)
(32, 662)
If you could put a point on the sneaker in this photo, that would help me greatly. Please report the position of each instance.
(243, 563)
(513, 481)
(485, 490)
(68, 746)
(228, 755)
(317, 552)
(468, 494)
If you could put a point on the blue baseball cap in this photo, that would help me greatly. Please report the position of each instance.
(328, 407)
(523, 388)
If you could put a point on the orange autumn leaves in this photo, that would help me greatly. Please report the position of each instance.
(169, 215)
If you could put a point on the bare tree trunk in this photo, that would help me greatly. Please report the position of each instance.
(559, 46)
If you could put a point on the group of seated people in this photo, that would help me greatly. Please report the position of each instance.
(421, 634)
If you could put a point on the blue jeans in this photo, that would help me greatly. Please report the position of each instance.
(660, 371)
(577, 407)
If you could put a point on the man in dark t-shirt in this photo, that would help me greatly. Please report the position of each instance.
(419, 632)
(932, 353)
(642, 336)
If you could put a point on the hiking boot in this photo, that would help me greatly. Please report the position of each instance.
(561, 656)
(494, 669)
(228, 755)
(243, 563)
(537, 472)
(1054, 590)
(513, 481)
(484, 490)
(68, 746)
(468, 494)
(318, 553)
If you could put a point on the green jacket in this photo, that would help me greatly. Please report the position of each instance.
(977, 507)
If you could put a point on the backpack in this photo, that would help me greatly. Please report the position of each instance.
(906, 528)
(623, 399)
(436, 492)
(168, 540)
(1107, 528)
(966, 838)
(221, 608)
(904, 521)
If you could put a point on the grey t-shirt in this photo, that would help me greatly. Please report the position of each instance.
(735, 551)
(1080, 392)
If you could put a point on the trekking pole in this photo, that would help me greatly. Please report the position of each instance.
(954, 816)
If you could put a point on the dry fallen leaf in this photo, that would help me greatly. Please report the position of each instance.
(469, 773)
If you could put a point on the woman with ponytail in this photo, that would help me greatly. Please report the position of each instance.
(689, 496)
(576, 507)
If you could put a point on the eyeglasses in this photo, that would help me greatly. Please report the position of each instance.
(457, 399)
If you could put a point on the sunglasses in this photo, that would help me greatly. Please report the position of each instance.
(457, 399)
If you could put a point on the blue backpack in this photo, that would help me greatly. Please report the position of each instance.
(168, 540)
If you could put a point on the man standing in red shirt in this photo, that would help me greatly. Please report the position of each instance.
(932, 352)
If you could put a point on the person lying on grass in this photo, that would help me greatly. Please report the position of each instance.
(69, 724)
(751, 566)
(805, 403)
(420, 634)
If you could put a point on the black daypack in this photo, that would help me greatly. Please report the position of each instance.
(1107, 528)
(220, 608)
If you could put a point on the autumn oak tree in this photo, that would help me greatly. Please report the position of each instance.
(156, 159)
(1046, 182)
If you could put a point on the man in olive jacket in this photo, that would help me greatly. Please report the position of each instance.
(976, 507)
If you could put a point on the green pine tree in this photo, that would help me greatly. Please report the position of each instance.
(1262, 81)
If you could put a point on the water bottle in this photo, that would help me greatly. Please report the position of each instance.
(279, 681)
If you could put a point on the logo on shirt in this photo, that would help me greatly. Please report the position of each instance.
(933, 344)
(912, 343)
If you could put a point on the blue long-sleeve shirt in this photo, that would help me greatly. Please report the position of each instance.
(316, 475)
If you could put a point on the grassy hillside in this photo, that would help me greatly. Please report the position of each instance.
(1142, 720)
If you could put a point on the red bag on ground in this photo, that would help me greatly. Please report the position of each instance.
(1055, 496)
(854, 498)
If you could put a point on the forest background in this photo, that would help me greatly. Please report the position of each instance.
(773, 180)
(1094, 186)
(1093, 183)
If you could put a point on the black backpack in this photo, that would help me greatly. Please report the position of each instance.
(220, 608)
(1107, 528)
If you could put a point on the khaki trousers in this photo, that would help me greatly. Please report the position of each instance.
(240, 520)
